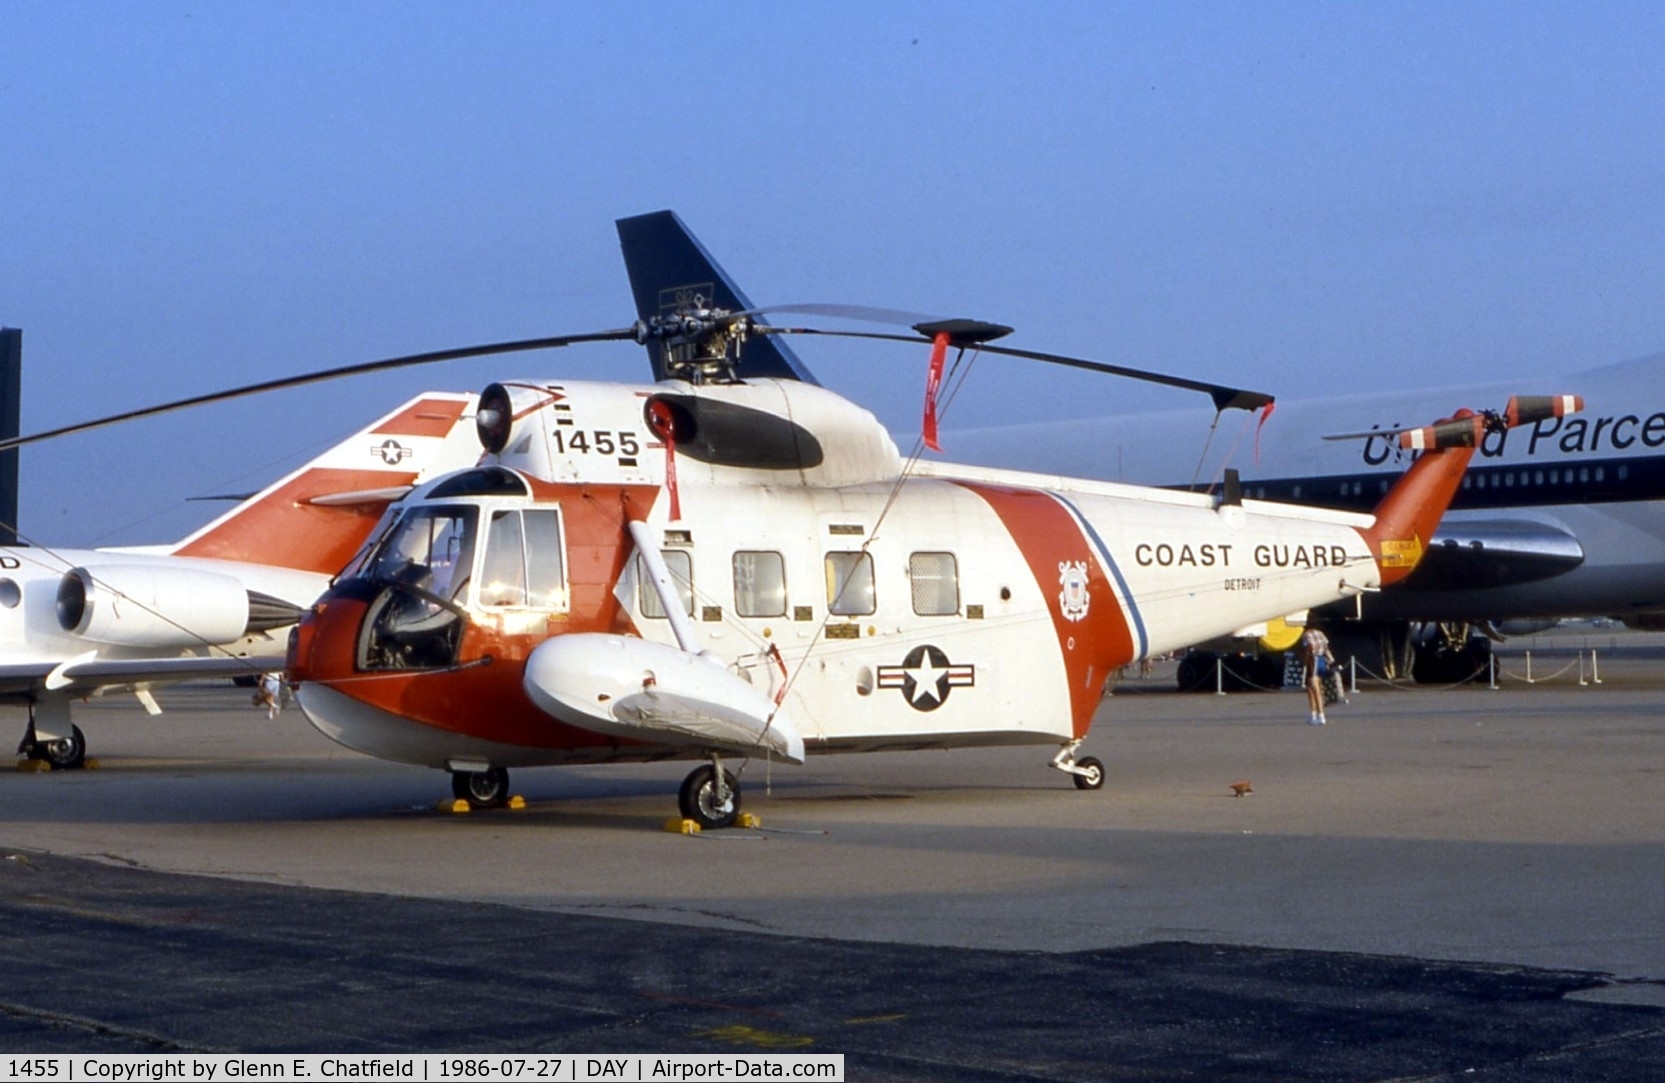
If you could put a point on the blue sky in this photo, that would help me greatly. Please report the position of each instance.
(1304, 198)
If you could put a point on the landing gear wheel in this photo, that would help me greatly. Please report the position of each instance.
(62, 754)
(700, 801)
(481, 789)
(1093, 776)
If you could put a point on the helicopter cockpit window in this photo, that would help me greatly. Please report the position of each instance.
(524, 565)
(430, 547)
(355, 568)
(422, 564)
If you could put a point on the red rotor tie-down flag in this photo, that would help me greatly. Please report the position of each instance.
(1265, 412)
(933, 381)
(663, 423)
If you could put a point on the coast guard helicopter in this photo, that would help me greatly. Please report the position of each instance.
(724, 565)
(717, 566)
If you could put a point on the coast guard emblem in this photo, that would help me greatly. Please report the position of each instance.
(1073, 599)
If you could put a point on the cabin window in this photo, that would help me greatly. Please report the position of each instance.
(759, 584)
(850, 584)
(523, 566)
(680, 563)
(935, 579)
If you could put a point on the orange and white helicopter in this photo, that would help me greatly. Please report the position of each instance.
(718, 567)
(724, 565)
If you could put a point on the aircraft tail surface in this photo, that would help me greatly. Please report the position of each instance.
(316, 518)
(1411, 511)
(670, 271)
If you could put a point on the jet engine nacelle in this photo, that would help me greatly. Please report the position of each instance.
(152, 606)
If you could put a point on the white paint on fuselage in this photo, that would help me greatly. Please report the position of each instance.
(1623, 420)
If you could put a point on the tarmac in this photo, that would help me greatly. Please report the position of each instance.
(1439, 884)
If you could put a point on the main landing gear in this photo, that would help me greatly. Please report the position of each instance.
(710, 795)
(60, 750)
(481, 789)
(1087, 773)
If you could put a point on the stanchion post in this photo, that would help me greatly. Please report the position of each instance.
(1529, 668)
(1595, 674)
(1220, 675)
(1491, 667)
(1581, 681)
(1352, 674)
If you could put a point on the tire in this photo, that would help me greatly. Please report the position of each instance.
(63, 754)
(481, 789)
(1094, 778)
(697, 798)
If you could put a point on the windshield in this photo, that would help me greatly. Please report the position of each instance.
(430, 548)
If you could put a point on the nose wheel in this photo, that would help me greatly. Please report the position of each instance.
(710, 796)
(481, 789)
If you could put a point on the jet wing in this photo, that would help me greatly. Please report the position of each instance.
(88, 673)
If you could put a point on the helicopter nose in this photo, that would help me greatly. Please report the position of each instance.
(322, 646)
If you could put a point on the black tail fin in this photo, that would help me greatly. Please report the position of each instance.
(670, 270)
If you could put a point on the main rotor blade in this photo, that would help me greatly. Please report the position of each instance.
(517, 346)
(1225, 398)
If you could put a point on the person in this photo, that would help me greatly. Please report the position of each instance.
(1316, 661)
(271, 694)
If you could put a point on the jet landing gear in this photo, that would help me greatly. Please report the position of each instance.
(1087, 773)
(710, 796)
(63, 748)
(481, 789)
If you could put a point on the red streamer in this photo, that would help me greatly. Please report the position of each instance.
(1265, 412)
(933, 381)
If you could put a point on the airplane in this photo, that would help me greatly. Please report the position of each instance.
(218, 603)
(1562, 519)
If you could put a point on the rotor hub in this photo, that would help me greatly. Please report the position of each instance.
(702, 345)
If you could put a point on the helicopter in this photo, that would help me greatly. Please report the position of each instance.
(722, 566)
(717, 567)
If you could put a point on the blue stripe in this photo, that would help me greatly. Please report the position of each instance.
(1108, 561)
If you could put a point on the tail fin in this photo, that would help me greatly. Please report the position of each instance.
(1410, 513)
(670, 270)
(316, 518)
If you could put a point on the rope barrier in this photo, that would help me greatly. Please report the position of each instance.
(1489, 674)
